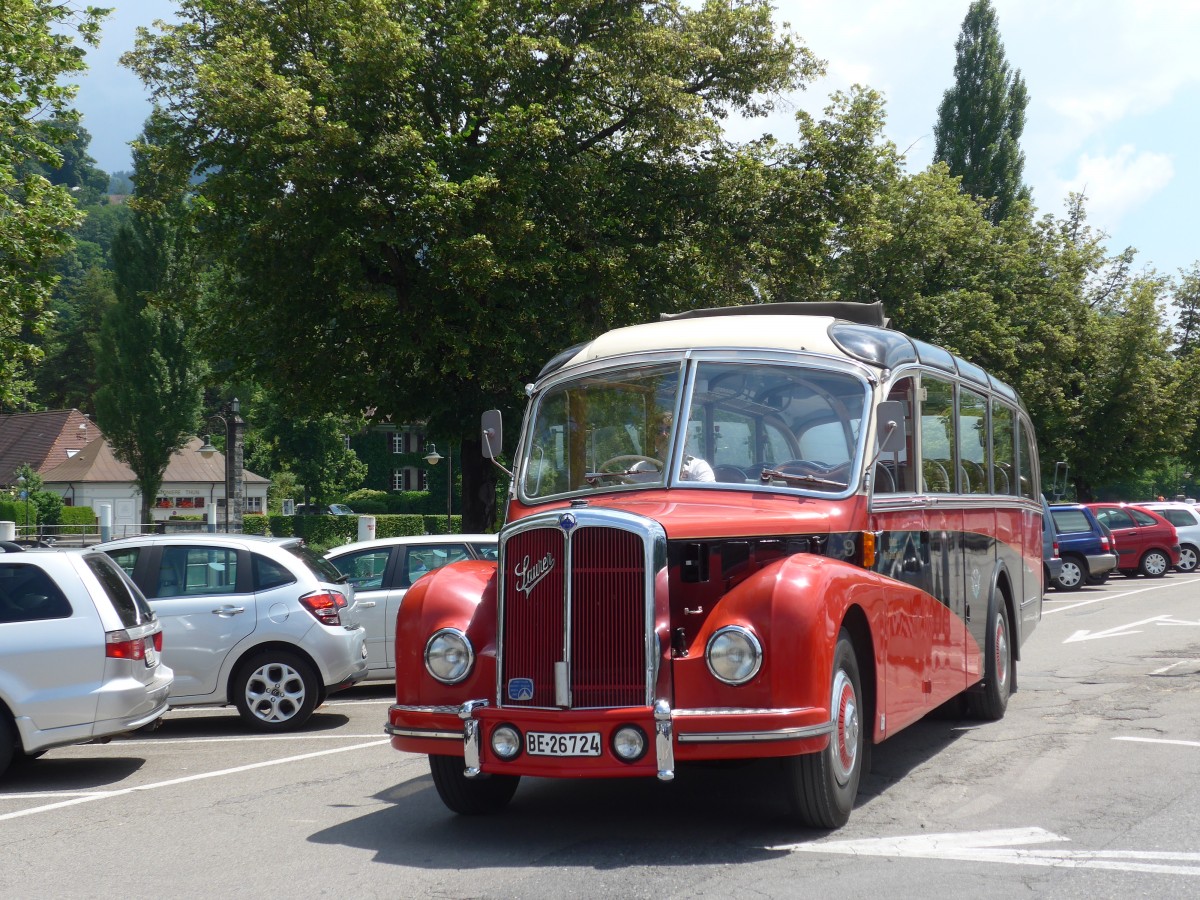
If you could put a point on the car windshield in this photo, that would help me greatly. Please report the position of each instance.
(747, 423)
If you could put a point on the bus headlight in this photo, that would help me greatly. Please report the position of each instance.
(506, 742)
(734, 654)
(448, 656)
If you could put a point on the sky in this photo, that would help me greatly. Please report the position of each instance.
(1114, 98)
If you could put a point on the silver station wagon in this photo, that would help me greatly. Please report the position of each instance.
(80, 652)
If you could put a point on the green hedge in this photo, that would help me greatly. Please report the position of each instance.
(78, 520)
(19, 511)
(326, 532)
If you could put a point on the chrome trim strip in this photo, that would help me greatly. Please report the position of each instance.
(663, 750)
(780, 734)
(443, 710)
(418, 733)
(740, 711)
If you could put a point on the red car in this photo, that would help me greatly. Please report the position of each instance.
(1146, 542)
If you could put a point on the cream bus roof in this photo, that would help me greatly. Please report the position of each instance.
(761, 332)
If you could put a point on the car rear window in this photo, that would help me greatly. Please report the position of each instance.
(27, 594)
(1070, 521)
(268, 573)
(1178, 516)
(127, 600)
(318, 565)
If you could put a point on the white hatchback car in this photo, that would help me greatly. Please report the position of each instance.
(263, 623)
(79, 652)
(1186, 519)
(384, 569)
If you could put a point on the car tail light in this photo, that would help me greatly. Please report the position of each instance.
(119, 645)
(326, 606)
(158, 641)
(1105, 545)
(1054, 551)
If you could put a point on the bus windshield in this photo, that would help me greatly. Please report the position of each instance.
(755, 424)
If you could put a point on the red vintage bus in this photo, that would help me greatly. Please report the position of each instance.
(781, 531)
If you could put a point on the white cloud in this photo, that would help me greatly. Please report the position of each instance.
(1116, 184)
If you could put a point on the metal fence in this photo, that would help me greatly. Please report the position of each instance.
(88, 535)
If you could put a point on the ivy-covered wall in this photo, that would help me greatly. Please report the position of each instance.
(375, 449)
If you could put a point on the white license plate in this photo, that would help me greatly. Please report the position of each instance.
(151, 656)
(582, 743)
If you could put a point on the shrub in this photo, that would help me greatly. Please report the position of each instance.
(256, 523)
(78, 520)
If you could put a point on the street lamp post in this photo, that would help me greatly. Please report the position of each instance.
(433, 458)
(235, 429)
(25, 502)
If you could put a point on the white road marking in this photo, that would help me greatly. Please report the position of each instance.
(999, 847)
(1142, 740)
(1116, 631)
(266, 738)
(103, 795)
(1103, 597)
(1182, 662)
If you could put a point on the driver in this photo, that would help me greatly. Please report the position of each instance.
(694, 468)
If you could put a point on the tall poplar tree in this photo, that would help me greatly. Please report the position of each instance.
(980, 119)
(149, 400)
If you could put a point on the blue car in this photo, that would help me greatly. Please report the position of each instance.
(1087, 547)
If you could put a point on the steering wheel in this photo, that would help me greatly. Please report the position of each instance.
(627, 460)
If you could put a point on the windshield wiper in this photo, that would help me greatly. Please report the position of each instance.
(798, 478)
(593, 478)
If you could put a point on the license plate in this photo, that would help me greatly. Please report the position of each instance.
(151, 656)
(582, 743)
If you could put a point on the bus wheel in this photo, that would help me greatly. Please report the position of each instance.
(470, 796)
(998, 667)
(822, 787)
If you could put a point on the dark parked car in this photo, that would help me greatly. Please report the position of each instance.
(1146, 542)
(1086, 547)
(1051, 559)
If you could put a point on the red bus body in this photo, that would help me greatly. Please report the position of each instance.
(790, 617)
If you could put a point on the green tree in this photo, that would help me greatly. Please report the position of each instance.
(1133, 380)
(148, 401)
(1186, 301)
(309, 449)
(38, 53)
(417, 200)
(980, 119)
(74, 169)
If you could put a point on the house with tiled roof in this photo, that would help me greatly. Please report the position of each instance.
(192, 484)
(91, 474)
(41, 440)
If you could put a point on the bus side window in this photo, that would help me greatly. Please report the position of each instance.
(1003, 450)
(893, 471)
(937, 437)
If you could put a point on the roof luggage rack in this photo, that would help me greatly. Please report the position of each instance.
(859, 313)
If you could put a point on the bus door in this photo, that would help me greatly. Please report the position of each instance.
(902, 555)
(944, 520)
(980, 537)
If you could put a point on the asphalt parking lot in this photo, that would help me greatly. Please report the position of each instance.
(1087, 787)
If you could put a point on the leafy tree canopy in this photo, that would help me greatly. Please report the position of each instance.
(38, 53)
(417, 199)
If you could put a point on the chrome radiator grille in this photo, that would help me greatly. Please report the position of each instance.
(575, 607)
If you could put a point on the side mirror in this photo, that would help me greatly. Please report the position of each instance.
(890, 426)
(493, 434)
